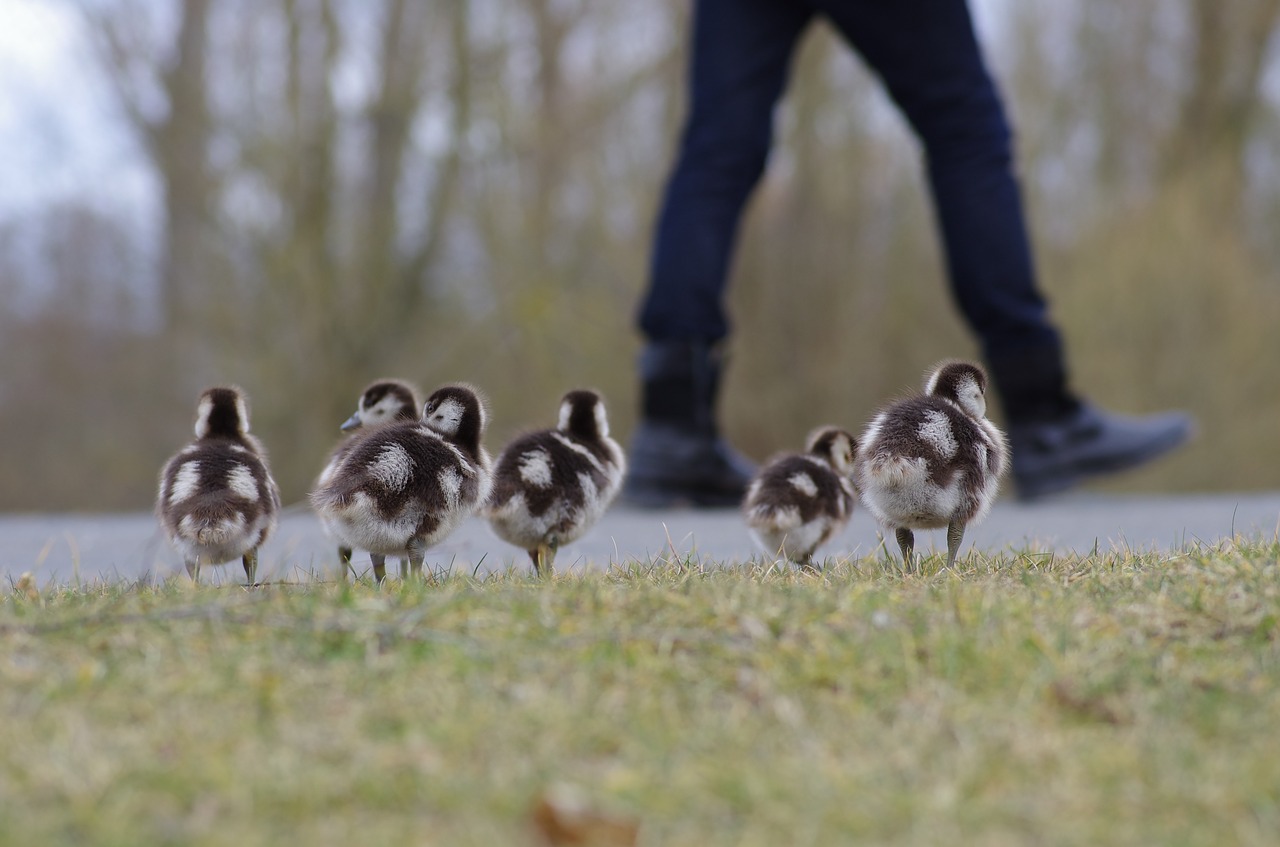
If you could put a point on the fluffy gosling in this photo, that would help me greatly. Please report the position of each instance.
(551, 486)
(217, 500)
(799, 501)
(383, 401)
(933, 460)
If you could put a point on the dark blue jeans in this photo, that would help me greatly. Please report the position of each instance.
(927, 56)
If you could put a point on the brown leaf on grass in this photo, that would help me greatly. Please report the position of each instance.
(1067, 695)
(563, 815)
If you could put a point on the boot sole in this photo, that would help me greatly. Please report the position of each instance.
(1046, 484)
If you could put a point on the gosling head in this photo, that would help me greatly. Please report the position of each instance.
(223, 412)
(383, 401)
(963, 383)
(582, 415)
(458, 413)
(835, 446)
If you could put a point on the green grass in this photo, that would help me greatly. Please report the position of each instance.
(1118, 699)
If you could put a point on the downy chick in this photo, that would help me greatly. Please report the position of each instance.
(933, 460)
(217, 500)
(551, 486)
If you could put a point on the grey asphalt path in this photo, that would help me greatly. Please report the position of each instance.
(64, 548)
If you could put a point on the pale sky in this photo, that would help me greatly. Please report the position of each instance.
(57, 132)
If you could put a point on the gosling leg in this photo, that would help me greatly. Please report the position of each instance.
(417, 552)
(906, 541)
(250, 560)
(379, 567)
(955, 534)
(543, 556)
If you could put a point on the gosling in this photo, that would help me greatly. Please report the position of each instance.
(217, 500)
(551, 486)
(799, 501)
(383, 401)
(933, 460)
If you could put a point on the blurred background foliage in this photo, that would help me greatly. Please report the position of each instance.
(464, 190)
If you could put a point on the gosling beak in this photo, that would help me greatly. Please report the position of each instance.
(351, 423)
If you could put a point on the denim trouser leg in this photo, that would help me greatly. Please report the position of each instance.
(927, 55)
(738, 67)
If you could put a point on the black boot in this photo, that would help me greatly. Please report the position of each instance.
(1053, 455)
(1057, 440)
(677, 456)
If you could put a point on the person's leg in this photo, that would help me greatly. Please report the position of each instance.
(928, 56)
(741, 52)
(926, 53)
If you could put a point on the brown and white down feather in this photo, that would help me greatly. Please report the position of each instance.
(799, 501)
(551, 486)
(217, 500)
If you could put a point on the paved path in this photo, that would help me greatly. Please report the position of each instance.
(64, 547)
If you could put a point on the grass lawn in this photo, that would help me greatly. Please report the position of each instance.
(1119, 699)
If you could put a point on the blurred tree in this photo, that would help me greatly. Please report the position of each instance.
(1230, 45)
(77, 405)
(175, 127)
(343, 200)
(287, 208)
